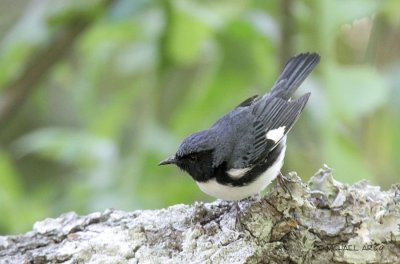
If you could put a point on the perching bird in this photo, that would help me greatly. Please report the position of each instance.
(244, 150)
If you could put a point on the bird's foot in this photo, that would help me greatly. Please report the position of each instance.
(238, 223)
(283, 182)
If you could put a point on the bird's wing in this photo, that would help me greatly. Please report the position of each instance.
(249, 101)
(272, 119)
(294, 73)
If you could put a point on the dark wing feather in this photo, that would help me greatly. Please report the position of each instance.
(272, 111)
(248, 101)
(295, 72)
(268, 114)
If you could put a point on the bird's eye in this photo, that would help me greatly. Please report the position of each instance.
(192, 158)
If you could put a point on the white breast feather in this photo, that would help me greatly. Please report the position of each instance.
(237, 173)
(231, 193)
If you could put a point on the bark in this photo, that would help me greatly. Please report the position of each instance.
(323, 221)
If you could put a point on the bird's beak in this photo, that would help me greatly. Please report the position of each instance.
(170, 160)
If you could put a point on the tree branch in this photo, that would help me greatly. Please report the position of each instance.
(17, 91)
(287, 31)
(324, 222)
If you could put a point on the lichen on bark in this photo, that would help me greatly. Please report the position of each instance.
(323, 221)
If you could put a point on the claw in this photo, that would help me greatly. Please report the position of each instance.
(238, 222)
(282, 180)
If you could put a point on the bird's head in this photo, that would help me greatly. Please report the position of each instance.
(195, 156)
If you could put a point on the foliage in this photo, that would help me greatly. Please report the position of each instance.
(144, 74)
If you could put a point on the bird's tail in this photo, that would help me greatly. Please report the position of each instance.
(294, 73)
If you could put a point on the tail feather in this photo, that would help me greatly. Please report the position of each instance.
(294, 72)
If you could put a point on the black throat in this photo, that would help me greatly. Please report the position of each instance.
(198, 165)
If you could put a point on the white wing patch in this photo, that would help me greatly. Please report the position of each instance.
(237, 173)
(276, 134)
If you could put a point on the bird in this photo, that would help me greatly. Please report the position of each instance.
(243, 151)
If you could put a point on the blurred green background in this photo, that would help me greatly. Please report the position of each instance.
(93, 94)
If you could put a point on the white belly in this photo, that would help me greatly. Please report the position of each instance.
(233, 193)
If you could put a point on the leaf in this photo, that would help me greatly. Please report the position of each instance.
(356, 91)
(66, 146)
(10, 185)
(187, 36)
(343, 155)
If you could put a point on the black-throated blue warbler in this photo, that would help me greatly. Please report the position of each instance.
(244, 150)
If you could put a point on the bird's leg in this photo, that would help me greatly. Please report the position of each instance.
(282, 180)
(238, 223)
